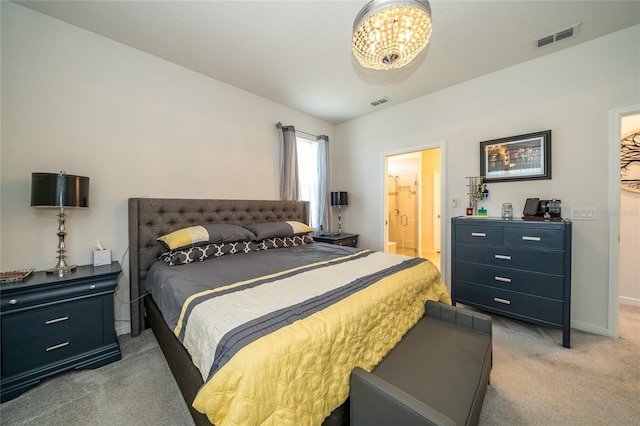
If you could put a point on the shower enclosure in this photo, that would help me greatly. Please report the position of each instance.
(403, 214)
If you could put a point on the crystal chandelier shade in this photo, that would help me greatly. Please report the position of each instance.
(388, 34)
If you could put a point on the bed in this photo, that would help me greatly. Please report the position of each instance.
(288, 318)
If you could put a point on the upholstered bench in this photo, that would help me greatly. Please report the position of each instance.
(437, 374)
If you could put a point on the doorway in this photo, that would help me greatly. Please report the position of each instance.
(413, 191)
(622, 249)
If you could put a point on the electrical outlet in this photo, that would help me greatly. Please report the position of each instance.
(583, 213)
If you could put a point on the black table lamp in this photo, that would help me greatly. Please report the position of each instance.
(60, 190)
(339, 198)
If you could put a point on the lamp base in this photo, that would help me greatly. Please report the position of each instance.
(62, 270)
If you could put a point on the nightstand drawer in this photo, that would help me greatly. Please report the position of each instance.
(49, 349)
(521, 305)
(549, 262)
(534, 238)
(349, 242)
(479, 234)
(42, 322)
(533, 283)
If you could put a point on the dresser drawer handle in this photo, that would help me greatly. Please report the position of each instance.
(524, 237)
(58, 346)
(503, 279)
(92, 287)
(505, 301)
(502, 257)
(13, 301)
(53, 321)
(478, 234)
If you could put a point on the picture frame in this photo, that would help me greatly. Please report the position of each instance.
(522, 157)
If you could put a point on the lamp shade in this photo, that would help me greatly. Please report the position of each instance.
(339, 198)
(59, 190)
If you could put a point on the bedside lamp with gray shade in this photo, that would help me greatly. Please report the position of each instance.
(60, 190)
(339, 198)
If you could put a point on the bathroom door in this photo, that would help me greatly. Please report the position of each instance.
(408, 215)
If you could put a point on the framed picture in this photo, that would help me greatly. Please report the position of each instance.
(523, 157)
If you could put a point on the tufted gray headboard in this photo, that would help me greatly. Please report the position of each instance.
(150, 218)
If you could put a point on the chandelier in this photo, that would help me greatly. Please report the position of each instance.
(389, 34)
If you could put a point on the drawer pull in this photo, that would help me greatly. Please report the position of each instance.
(478, 234)
(503, 279)
(505, 301)
(13, 301)
(524, 237)
(58, 346)
(502, 257)
(53, 321)
(92, 287)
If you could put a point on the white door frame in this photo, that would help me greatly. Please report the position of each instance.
(615, 119)
(443, 192)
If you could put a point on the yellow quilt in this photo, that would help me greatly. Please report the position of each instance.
(305, 374)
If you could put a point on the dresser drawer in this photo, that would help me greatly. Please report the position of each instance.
(50, 349)
(550, 262)
(37, 323)
(533, 283)
(534, 238)
(516, 304)
(479, 234)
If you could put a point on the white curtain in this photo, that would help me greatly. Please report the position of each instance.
(324, 213)
(288, 158)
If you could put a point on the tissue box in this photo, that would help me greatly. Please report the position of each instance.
(101, 257)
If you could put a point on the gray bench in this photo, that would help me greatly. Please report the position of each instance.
(437, 374)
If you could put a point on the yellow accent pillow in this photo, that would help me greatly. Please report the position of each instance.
(299, 227)
(185, 236)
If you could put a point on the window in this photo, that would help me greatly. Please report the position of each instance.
(309, 178)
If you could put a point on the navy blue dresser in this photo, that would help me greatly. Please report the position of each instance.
(51, 324)
(516, 268)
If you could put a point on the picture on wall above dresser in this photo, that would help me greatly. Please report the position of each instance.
(523, 157)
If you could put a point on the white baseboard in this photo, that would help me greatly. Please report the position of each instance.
(123, 329)
(589, 328)
(629, 301)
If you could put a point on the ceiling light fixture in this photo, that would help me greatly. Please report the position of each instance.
(389, 34)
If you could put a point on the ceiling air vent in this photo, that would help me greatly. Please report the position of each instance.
(562, 34)
(380, 101)
(544, 41)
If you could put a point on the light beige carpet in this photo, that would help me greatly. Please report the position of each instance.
(534, 381)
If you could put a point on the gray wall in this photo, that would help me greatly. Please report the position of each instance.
(570, 92)
(135, 124)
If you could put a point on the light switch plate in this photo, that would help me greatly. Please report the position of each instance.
(583, 213)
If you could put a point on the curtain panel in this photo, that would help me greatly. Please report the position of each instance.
(324, 173)
(288, 159)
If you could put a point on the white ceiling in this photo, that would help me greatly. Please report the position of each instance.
(298, 53)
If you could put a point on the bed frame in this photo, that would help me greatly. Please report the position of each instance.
(150, 218)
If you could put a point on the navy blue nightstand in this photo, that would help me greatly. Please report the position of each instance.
(349, 240)
(51, 324)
